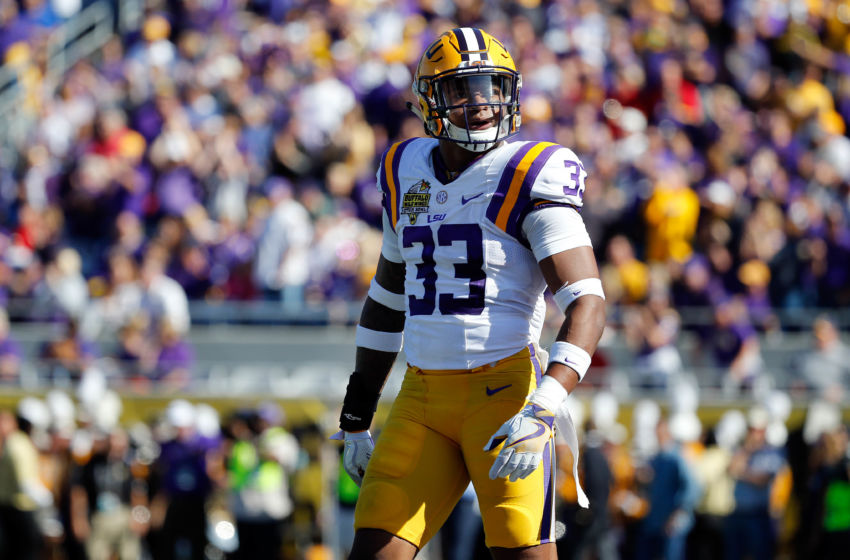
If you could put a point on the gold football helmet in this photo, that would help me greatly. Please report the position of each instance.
(468, 76)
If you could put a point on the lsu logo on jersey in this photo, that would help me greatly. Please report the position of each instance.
(415, 201)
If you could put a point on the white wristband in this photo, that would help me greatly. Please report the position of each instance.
(568, 293)
(378, 340)
(550, 394)
(385, 297)
(570, 355)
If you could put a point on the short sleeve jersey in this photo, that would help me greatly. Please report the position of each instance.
(474, 291)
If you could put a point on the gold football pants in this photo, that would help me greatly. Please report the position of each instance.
(432, 445)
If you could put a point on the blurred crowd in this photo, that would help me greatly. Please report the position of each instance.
(77, 483)
(226, 151)
(769, 480)
(743, 486)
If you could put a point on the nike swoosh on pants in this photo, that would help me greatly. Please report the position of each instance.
(491, 392)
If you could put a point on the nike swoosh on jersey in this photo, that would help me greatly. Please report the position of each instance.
(464, 200)
(491, 392)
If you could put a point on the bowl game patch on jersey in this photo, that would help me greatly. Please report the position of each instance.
(416, 200)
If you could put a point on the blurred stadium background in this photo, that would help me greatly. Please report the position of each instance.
(188, 226)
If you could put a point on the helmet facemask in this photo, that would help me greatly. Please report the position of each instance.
(475, 107)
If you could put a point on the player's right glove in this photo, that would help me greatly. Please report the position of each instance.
(357, 452)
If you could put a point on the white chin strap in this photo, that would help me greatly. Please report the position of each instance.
(483, 140)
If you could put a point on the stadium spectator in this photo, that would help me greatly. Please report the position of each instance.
(750, 528)
(21, 492)
(24, 276)
(671, 215)
(68, 355)
(735, 346)
(163, 299)
(829, 527)
(282, 265)
(104, 493)
(754, 275)
(693, 287)
(183, 485)
(748, 62)
(652, 331)
(67, 294)
(152, 58)
(260, 500)
(836, 277)
(175, 359)
(136, 355)
(825, 367)
(673, 492)
(588, 534)
(40, 13)
(626, 278)
(119, 297)
(13, 28)
(10, 353)
(711, 469)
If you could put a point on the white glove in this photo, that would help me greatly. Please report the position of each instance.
(525, 436)
(357, 452)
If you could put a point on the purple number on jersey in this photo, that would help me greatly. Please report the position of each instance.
(576, 188)
(472, 269)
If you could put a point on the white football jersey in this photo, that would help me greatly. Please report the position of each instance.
(473, 287)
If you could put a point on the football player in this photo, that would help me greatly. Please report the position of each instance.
(475, 229)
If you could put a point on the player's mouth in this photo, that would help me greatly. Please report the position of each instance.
(482, 124)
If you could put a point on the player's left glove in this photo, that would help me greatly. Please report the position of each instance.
(525, 436)
(357, 452)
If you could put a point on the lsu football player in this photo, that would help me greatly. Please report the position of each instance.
(475, 229)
